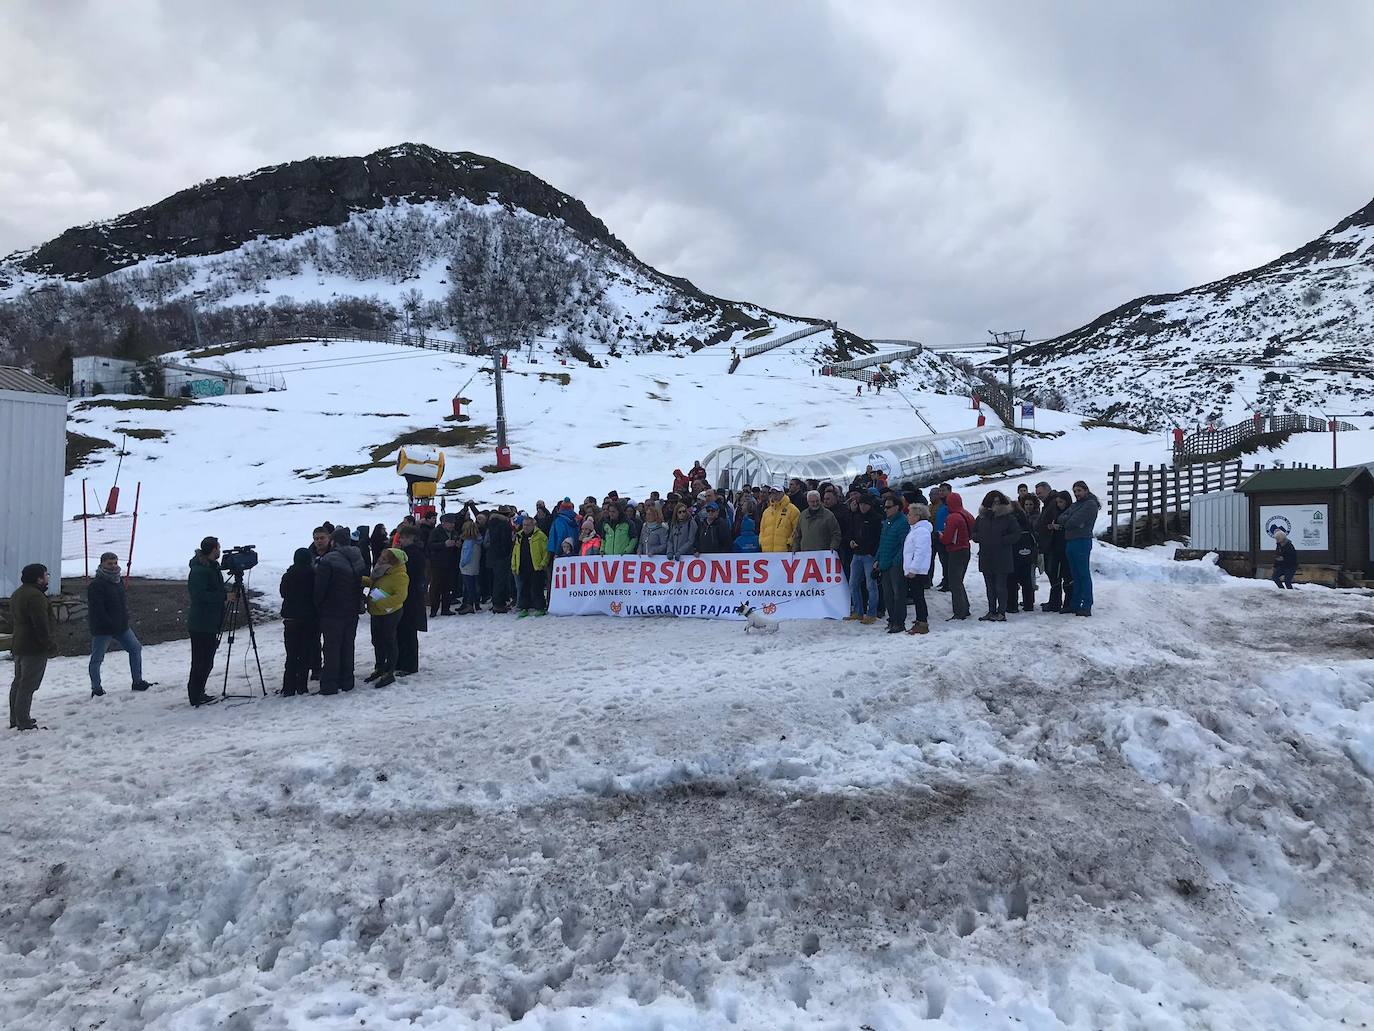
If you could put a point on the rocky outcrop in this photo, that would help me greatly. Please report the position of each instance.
(283, 200)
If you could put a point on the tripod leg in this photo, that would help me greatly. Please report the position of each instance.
(253, 642)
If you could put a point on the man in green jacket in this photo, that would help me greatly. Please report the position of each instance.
(35, 642)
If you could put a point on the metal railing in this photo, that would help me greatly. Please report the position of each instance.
(768, 345)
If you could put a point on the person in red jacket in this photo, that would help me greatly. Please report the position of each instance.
(955, 540)
(679, 481)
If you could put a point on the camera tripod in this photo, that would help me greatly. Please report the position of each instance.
(238, 602)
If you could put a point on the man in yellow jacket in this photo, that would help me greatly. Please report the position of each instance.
(527, 561)
(387, 588)
(779, 520)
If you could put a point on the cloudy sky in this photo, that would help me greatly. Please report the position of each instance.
(912, 169)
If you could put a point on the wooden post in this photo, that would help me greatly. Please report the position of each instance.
(1135, 491)
(1112, 507)
(1178, 505)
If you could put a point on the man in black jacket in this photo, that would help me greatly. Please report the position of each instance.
(442, 553)
(107, 612)
(338, 596)
(413, 614)
(713, 535)
(499, 544)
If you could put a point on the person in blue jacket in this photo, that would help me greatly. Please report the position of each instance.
(888, 563)
(748, 539)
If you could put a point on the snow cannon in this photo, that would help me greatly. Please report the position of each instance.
(422, 468)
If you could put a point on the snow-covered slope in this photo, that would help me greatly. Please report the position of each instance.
(1145, 361)
(265, 468)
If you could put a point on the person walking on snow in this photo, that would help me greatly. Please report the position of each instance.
(107, 612)
(35, 642)
(1285, 560)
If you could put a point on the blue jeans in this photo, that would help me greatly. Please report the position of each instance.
(470, 590)
(861, 574)
(127, 641)
(1078, 552)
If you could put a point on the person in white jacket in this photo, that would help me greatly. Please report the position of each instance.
(917, 552)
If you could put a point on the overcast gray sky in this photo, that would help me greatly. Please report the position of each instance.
(911, 169)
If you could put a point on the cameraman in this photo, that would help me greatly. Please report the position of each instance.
(338, 599)
(205, 584)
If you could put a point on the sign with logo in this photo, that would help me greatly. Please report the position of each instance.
(206, 387)
(1306, 525)
(885, 462)
(807, 585)
(1027, 411)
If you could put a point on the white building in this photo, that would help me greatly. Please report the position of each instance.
(92, 374)
(33, 448)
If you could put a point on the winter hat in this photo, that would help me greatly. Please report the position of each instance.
(588, 526)
(449, 517)
(341, 537)
(1280, 535)
(866, 499)
(713, 507)
(302, 557)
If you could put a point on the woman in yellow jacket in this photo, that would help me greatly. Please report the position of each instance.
(386, 594)
(527, 561)
(779, 520)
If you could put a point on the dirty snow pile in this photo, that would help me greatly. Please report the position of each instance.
(1162, 817)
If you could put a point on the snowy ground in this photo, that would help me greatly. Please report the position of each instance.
(1158, 818)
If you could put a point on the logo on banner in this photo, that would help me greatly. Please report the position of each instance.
(616, 607)
(878, 459)
(1276, 523)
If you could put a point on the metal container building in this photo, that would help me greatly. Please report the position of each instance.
(33, 447)
(1219, 521)
(919, 460)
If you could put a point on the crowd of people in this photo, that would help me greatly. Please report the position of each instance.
(894, 542)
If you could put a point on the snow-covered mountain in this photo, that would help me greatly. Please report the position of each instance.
(1145, 362)
(403, 237)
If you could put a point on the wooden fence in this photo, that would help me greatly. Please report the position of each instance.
(1146, 504)
(1217, 443)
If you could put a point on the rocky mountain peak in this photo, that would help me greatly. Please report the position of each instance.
(280, 201)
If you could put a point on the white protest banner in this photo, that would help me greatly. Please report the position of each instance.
(807, 585)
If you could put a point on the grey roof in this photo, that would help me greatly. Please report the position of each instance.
(17, 379)
(1269, 480)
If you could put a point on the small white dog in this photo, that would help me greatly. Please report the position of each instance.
(756, 620)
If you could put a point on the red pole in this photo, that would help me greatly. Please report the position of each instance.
(85, 532)
(133, 534)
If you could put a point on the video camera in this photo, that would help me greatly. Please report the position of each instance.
(239, 560)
